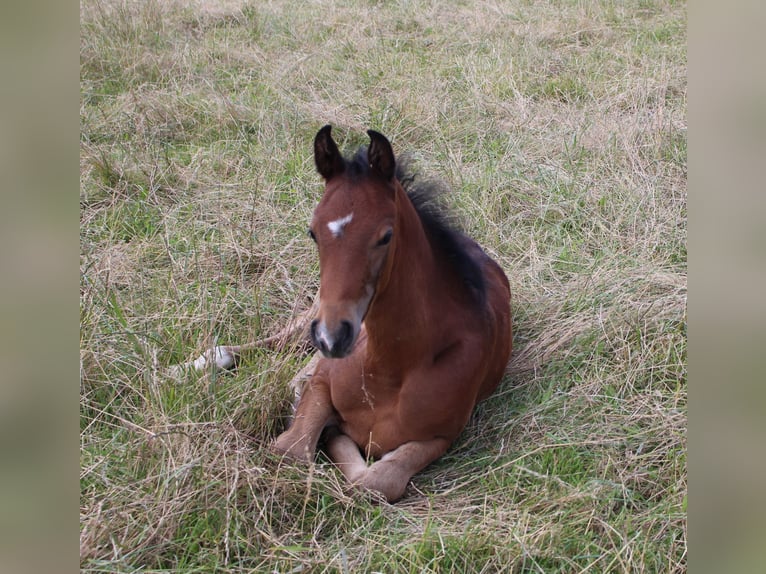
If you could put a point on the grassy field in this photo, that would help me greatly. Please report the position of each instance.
(560, 126)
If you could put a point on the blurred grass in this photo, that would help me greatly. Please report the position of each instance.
(561, 127)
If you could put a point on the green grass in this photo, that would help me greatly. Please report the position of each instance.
(560, 126)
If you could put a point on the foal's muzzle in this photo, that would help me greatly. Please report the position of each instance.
(333, 344)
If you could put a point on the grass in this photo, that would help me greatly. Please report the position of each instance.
(560, 126)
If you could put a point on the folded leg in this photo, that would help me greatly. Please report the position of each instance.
(390, 474)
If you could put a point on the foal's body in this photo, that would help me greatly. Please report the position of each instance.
(416, 328)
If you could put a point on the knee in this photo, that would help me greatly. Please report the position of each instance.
(286, 446)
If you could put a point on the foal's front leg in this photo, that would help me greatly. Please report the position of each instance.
(392, 472)
(311, 415)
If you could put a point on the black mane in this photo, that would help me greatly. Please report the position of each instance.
(441, 228)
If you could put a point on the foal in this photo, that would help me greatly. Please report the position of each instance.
(414, 325)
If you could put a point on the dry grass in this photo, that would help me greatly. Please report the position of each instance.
(561, 127)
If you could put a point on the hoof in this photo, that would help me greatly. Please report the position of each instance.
(223, 358)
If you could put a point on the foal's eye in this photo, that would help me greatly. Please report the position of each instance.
(313, 237)
(386, 238)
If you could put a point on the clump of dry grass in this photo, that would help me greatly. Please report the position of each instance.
(560, 126)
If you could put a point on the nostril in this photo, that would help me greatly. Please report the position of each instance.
(346, 331)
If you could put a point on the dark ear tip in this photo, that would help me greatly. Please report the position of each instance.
(375, 135)
(327, 158)
(381, 154)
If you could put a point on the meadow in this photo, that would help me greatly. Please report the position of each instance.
(560, 127)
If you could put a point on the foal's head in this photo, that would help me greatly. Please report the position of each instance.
(354, 229)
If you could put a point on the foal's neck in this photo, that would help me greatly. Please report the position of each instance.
(402, 314)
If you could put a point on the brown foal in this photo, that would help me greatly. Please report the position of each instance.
(414, 325)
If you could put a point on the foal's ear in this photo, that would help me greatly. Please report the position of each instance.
(381, 155)
(328, 160)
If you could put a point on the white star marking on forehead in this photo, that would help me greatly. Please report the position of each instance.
(336, 227)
